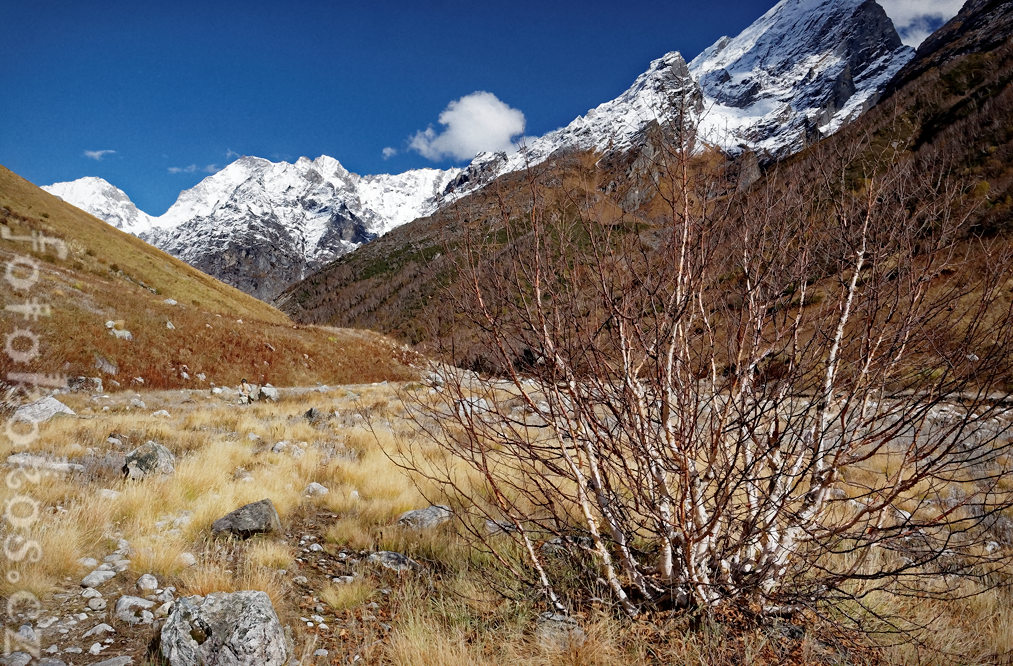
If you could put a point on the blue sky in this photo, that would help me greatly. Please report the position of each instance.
(154, 96)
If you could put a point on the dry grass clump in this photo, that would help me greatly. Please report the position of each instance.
(348, 595)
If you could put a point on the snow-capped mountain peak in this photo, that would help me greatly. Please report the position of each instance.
(105, 201)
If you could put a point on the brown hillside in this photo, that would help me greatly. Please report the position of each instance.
(107, 275)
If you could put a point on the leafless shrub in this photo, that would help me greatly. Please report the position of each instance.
(790, 399)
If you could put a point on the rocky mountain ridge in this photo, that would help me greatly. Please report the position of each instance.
(799, 73)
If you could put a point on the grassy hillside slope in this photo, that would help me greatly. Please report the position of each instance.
(210, 329)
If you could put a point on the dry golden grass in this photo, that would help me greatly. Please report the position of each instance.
(452, 613)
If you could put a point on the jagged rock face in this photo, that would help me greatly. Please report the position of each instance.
(799, 73)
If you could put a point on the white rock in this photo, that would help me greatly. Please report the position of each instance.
(97, 577)
(99, 630)
(315, 489)
(147, 582)
(41, 411)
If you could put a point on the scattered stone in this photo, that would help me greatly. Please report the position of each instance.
(50, 661)
(422, 519)
(84, 384)
(121, 334)
(97, 603)
(255, 518)
(99, 630)
(343, 580)
(559, 632)
(90, 593)
(137, 380)
(110, 324)
(268, 392)
(147, 583)
(280, 447)
(315, 489)
(170, 301)
(187, 559)
(109, 494)
(312, 414)
(41, 411)
(16, 659)
(138, 403)
(316, 548)
(115, 661)
(301, 580)
(216, 390)
(147, 459)
(169, 325)
(161, 413)
(393, 561)
(97, 577)
(133, 610)
(201, 376)
(238, 629)
(96, 648)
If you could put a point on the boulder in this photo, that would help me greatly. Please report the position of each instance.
(237, 629)
(423, 519)
(268, 392)
(256, 518)
(147, 583)
(148, 459)
(41, 411)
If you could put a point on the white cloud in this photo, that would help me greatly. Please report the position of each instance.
(193, 168)
(231, 154)
(97, 155)
(475, 123)
(917, 19)
(389, 152)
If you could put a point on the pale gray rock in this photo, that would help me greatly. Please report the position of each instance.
(268, 392)
(99, 630)
(148, 459)
(393, 561)
(41, 411)
(559, 632)
(423, 519)
(115, 661)
(97, 577)
(97, 603)
(315, 489)
(133, 610)
(147, 583)
(224, 629)
(255, 518)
